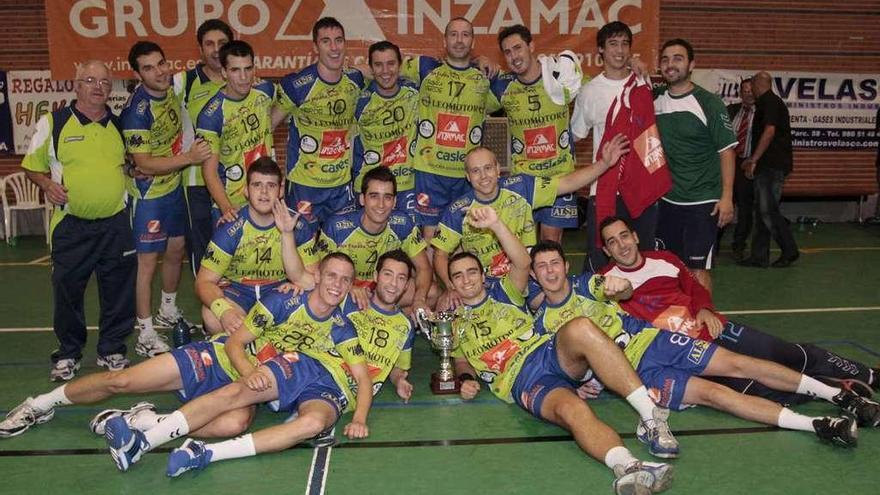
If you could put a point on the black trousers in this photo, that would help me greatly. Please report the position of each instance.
(808, 359)
(104, 247)
(744, 198)
(199, 228)
(770, 222)
(645, 226)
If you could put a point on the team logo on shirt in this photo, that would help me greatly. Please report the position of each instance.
(500, 265)
(423, 199)
(308, 144)
(452, 129)
(333, 144)
(135, 140)
(497, 357)
(394, 152)
(650, 149)
(154, 226)
(253, 154)
(540, 142)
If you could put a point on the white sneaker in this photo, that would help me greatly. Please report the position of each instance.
(113, 362)
(23, 417)
(655, 433)
(169, 318)
(97, 423)
(64, 370)
(151, 346)
(642, 478)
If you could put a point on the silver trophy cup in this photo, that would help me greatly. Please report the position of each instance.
(444, 336)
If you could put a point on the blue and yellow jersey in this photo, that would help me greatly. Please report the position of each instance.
(153, 126)
(386, 338)
(284, 323)
(345, 232)
(587, 298)
(245, 253)
(517, 196)
(453, 104)
(498, 334)
(240, 131)
(321, 127)
(386, 134)
(540, 141)
(194, 89)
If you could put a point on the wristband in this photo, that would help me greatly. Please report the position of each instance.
(465, 377)
(219, 306)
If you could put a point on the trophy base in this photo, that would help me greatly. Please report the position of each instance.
(443, 387)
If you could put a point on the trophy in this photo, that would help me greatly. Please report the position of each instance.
(444, 337)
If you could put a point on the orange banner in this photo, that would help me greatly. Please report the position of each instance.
(280, 30)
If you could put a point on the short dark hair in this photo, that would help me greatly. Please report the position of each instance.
(608, 221)
(381, 46)
(266, 166)
(397, 255)
(213, 25)
(336, 255)
(380, 174)
(458, 18)
(546, 246)
(611, 30)
(140, 49)
(519, 29)
(324, 23)
(237, 48)
(460, 256)
(680, 42)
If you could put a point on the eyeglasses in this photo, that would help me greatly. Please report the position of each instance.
(91, 81)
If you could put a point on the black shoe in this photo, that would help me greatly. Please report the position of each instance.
(841, 431)
(750, 262)
(866, 411)
(785, 261)
(853, 385)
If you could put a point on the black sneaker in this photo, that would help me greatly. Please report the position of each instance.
(853, 385)
(840, 431)
(866, 411)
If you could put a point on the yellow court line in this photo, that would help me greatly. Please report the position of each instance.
(40, 260)
(800, 310)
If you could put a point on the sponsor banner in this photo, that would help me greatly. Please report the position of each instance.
(828, 111)
(280, 30)
(6, 144)
(33, 93)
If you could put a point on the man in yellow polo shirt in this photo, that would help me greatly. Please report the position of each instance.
(76, 157)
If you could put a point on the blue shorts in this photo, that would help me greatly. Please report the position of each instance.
(406, 202)
(563, 213)
(689, 231)
(247, 295)
(540, 374)
(153, 221)
(434, 193)
(301, 378)
(317, 204)
(199, 368)
(669, 362)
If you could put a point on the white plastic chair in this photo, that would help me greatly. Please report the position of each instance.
(28, 196)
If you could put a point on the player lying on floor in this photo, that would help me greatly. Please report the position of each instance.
(337, 369)
(672, 364)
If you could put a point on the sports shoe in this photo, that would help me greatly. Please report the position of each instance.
(191, 455)
(642, 478)
(866, 411)
(840, 431)
(655, 433)
(169, 318)
(64, 370)
(151, 346)
(113, 362)
(126, 445)
(23, 417)
(857, 387)
(97, 424)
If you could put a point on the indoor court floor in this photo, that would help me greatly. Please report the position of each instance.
(441, 445)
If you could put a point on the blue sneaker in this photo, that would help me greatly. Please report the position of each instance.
(127, 445)
(655, 433)
(642, 478)
(191, 455)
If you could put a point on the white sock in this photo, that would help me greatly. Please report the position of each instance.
(146, 327)
(619, 456)
(642, 403)
(173, 426)
(791, 420)
(169, 301)
(235, 448)
(55, 398)
(815, 388)
(146, 420)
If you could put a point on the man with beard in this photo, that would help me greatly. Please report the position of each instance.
(698, 141)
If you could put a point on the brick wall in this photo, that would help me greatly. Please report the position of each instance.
(807, 35)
